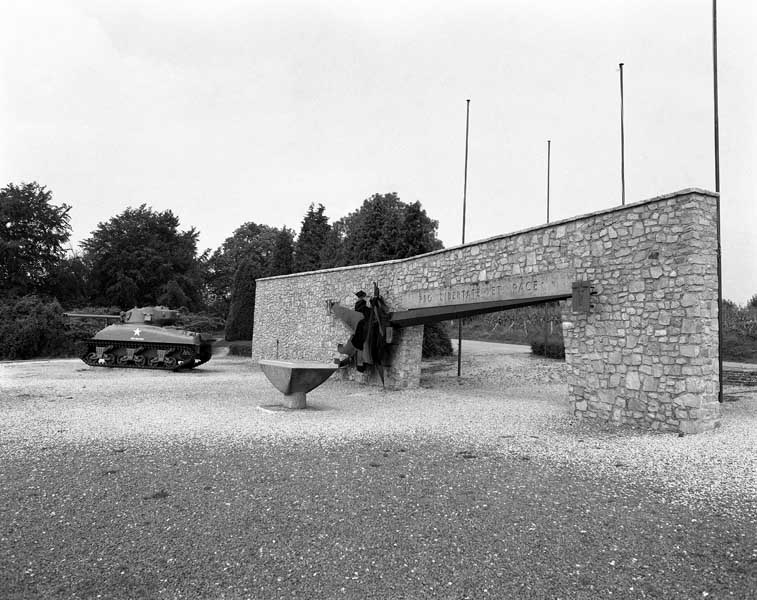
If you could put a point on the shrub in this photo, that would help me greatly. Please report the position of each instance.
(31, 327)
(554, 347)
(739, 332)
(79, 329)
(202, 322)
(436, 342)
(240, 349)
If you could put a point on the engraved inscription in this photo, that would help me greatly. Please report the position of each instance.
(507, 288)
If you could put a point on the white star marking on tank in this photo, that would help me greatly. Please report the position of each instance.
(137, 331)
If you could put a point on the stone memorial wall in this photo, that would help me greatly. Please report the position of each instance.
(645, 353)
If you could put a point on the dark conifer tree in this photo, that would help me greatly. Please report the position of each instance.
(242, 309)
(332, 253)
(282, 259)
(312, 238)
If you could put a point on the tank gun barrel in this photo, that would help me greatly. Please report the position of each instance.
(93, 316)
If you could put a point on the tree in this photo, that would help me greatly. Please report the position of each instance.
(417, 232)
(282, 259)
(68, 282)
(385, 228)
(135, 256)
(251, 242)
(313, 233)
(32, 234)
(332, 252)
(372, 231)
(242, 309)
(174, 295)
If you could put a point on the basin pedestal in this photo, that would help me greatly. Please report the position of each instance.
(296, 400)
(295, 378)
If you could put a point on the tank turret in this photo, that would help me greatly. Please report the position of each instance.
(145, 338)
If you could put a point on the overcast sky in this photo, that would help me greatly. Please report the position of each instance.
(235, 111)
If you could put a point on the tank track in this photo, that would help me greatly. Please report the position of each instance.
(145, 355)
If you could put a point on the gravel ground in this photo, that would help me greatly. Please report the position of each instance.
(141, 484)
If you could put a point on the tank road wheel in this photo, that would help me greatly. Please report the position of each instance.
(106, 360)
(162, 360)
(132, 356)
(90, 358)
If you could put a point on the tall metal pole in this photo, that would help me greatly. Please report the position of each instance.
(717, 189)
(465, 194)
(715, 91)
(549, 149)
(546, 306)
(622, 143)
(465, 175)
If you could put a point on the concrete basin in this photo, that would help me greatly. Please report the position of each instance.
(295, 378)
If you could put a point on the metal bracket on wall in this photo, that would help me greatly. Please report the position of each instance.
(582, 296)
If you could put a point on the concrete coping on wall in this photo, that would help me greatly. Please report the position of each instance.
(604, 211)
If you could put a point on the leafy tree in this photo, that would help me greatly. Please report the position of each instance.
(372, 231)
(752, 302)
(307, 251)
(251, 242)
(134, 257)
(173, 295)
(385, 228)
(417, 232)
(242, 309)
(68, 280)
(32, 234)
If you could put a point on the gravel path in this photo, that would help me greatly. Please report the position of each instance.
(145, 484)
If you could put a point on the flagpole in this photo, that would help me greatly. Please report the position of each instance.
(717, 189)
(622, 143)
(549, 144)
(546, 306)
(465, 194)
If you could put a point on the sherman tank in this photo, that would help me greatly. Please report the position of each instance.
(145, 338)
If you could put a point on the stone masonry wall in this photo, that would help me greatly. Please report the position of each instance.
(646, 354)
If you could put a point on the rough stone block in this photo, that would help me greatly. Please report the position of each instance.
(650, 384)
(688, 400)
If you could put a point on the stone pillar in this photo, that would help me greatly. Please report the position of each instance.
(647, 353)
